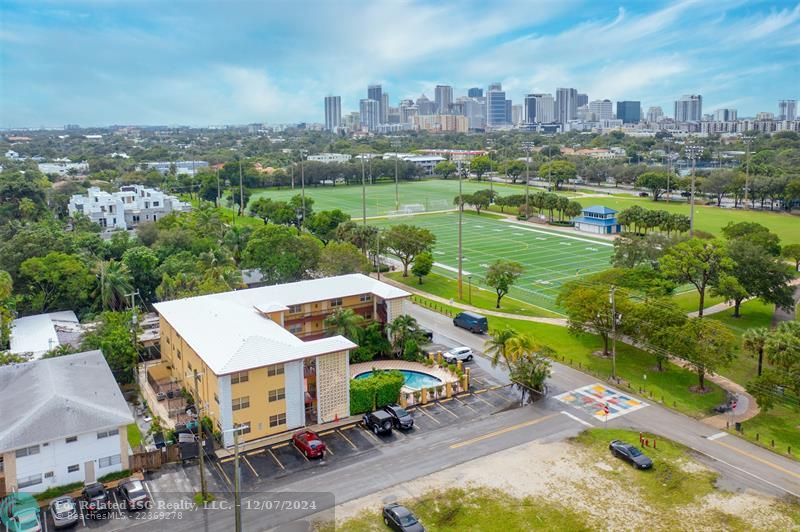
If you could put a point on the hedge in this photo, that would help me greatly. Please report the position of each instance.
(57, 491)
(376, 391)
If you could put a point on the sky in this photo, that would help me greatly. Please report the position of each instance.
(198, 62)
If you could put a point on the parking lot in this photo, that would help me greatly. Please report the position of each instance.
(351, 441)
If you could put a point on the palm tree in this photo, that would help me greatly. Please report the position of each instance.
(754, 341)
(496, 345)
(402, 329)
(114, 283)
(345, 322)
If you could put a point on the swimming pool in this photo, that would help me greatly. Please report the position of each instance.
(414, 380)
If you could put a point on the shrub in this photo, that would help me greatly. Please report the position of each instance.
(360, 354)
(410, 350)
(376, 391)
(116, 475)
(55, 491)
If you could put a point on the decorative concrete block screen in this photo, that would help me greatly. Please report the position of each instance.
(333, 387)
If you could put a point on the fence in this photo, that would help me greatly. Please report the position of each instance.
(149, 460)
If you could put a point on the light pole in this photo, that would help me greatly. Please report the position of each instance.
(303, 185)
(613, 332)
(527, 177)
(363, 192)
(396, 182)
(241, 188)
(469, 278)
(748, 139)
(692, 151)
(669, 171)
(237, 496)
(460, 219)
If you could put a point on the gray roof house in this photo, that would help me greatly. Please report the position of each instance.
(63, 420)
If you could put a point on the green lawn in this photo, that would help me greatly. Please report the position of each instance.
(781, 425)
(689, 300)
(549, 258)
(134, 435)
(754, 314)
(480, 297)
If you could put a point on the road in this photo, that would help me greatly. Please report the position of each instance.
(741, 465)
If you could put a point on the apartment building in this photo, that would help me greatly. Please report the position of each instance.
(125, 209)
(64, 421)
(262, 356)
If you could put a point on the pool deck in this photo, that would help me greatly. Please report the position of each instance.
(442, 374)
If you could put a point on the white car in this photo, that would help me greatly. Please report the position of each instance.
(463, 354)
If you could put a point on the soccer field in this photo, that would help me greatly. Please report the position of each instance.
(550, 258)
(420, 196)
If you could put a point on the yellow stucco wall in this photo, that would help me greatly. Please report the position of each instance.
(257, 415)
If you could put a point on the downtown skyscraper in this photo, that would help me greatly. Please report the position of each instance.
(443, 96)
(689, 108)
(333, 112)
(566, 105)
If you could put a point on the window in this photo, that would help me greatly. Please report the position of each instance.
(155, 204)
(275, 369)
(216, 398)
(365, 297)
(336, 302)
(244, 426)
(277, 395)
(27, 451)
(49, 474)
(73, 468)
(295, 328)
(168, 340)
(295, 309)
(24, 482)
(179, 353)
(72, 439)
(279, 419)
(109, 461)
(240, 403)
(242, 376)
(189, 364)
(368, 316)
(107, 433)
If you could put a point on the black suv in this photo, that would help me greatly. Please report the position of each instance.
(379, 422)
(97, 500)
(401, 418)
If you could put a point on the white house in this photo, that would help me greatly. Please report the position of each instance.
(127, 208)
(35, 335)
(330, 157)
(63, 421)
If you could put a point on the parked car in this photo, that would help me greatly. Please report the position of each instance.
(643, 194)
(630, 454)
(400, 418)
(379, 422)
(463, 354)
(26, 520)
(426, 333)
(308, 443)
(472, 322)
(400, 518)
(97, 500)
(133, 494)
(64, 511)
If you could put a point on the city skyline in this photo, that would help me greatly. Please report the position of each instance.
(98, 65)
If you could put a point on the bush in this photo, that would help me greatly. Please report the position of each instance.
(116, 475)
(376, 391)
(360, 354)
(410, 350)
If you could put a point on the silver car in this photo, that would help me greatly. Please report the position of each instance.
(463, 354)
(64, 511)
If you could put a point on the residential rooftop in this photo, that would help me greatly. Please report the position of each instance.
(40, 333)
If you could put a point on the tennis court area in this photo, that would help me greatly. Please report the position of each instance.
(550, 258)
(415, 196)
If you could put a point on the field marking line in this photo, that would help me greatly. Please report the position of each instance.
(576, 418)
(759, 459)
(276, 459)
(505, 430)
(343, 435)
(561, 235)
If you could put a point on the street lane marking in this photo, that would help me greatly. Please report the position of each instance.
(576, 418)
(422, 410)
(501, 431)
(276, 459)
(342, 434)
(759, 459)
(449, 411)
(253, 469)
(739, 469)
(717, 436)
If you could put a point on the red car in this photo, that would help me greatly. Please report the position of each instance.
(309, 444)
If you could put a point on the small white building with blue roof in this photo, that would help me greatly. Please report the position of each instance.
(598, 220)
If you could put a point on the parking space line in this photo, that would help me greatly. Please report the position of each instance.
(325, 433)
(449, 411)
(253, 469)
(226, 460)
(276, 459)
(430, 416)
(301, 453)
(83, 518)
(371, 435)
(482, 390)
(342, 434)
(150, 493)
(224, 475)
(465, 404)
(329, 450)
(44, 521)
(501, 431)
(484, 400)
(280, 445)
(445, 400)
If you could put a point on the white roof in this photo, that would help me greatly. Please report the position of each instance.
(37, 334)
(230, 333)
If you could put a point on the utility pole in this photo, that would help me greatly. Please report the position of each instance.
(237, 496)
(303, 185)
(241, 188)
(747, 140)
(363, 192)
(692, 151)
(613, 332)
(460, 219)
(200, 450)
(669, 171)
(527, 179)
(134, 327)
(378, 254)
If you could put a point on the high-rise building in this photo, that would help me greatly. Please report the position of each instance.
(582, 99)
(509, 106)
(333, 112)
(725, 115)
(655, 114)
(425, 106)
(602, 109)
(529, 112)
(408, 110)
(689, 108)
(566, 105)
(516, 114)
(384, 108)
(444, 98)
(496, 106)
(369, 112)
(630, 112)
(539, 109)
(787, 110)
(765, 115)
(475, 92)
(474, 109)
(375, 92)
